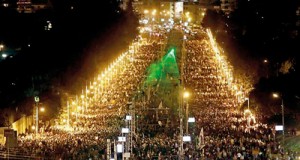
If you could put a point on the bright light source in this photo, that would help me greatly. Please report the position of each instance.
(186, 94)
(128, 117)
(275, 95)
(191, 120)
(279, 127)
(125, 130)
(119, 148)
(4, 55)
(154, 12)
(42, 109)
(186, 138)
(247, 111)
(121, 139)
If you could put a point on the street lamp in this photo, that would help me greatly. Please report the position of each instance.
(248, 99)
(42, 109)
(1, 47)
(186, 95)
(37, 100)
(276, 95)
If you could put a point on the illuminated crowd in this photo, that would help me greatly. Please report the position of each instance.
(111, 103)
(89, 119)
(228, 132)
(98, 113)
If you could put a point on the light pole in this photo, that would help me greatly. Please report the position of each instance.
(276, 95)
(42, 109)
(265, 63)
(36, 99)
(180, 126)
(248, 99)
(186, 95)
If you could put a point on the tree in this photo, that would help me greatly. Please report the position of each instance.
(287, 66)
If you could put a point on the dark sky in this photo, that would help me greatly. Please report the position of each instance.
(52, 54)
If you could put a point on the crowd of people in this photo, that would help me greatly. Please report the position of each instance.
(100, 114)
(221, 130)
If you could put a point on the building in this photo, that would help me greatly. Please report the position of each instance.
(24, 6)
(193, 13)
(31, 6)
(6, 3)
(2, 138)
(160, 11)
(8, 137)
(23, 125)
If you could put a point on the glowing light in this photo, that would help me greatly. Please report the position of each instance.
(226, 70)
(186, 94)
(247, 111)
(154, 12)
(275, 95)
(4, 55)
(186, 138)
(191, 120)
